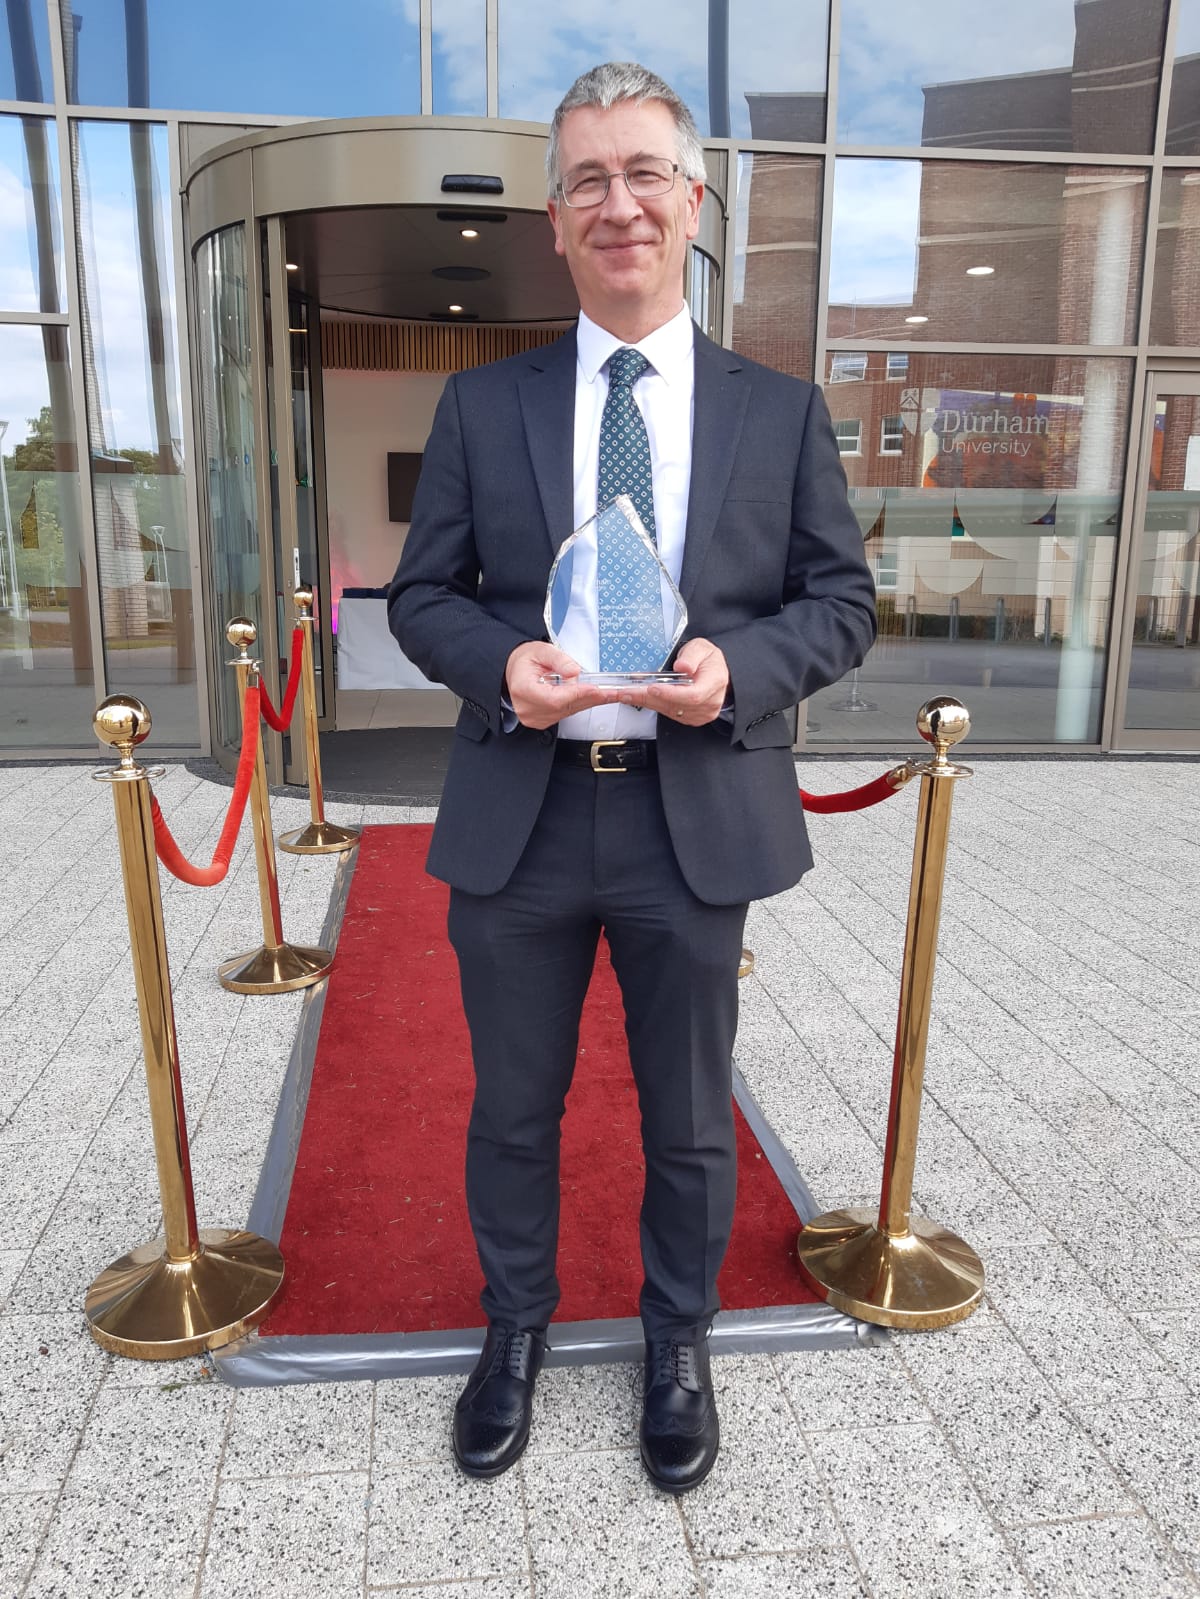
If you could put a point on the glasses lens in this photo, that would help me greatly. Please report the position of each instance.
(585, 188)
(650, 177)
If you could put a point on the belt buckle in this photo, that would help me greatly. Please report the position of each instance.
(607, 744)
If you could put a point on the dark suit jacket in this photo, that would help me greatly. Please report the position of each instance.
(773, 573)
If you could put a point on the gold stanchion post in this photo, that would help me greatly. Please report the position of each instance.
(276, 967)
(746, 962)
(194, 1288)
(320, 837)
(887, 1267)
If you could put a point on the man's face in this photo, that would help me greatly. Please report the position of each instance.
(626, 255)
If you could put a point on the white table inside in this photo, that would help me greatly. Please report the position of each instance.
(367, 653)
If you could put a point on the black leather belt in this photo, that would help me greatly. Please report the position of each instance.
(609, 754)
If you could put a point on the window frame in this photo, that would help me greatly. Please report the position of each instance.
(838, 359)
(854, 422)
(896, 433)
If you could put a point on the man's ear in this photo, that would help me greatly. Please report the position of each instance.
(695, 201)
(554, 215)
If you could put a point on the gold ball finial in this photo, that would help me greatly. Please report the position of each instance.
(942, 722)
(303, 598)
(122, 721)
(241, 633)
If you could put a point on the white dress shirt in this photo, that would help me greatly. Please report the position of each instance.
(664, 395)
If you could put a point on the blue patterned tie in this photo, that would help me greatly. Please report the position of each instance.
(632, 636)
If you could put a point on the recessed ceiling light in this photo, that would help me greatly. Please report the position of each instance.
(470, 233)
(980, 272)
(915, 319)
(291, 266)
(454, 308)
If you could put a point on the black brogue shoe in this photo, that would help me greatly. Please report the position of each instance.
(680, 1431)
(491, 1418)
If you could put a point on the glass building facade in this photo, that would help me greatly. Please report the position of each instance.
(980, 234)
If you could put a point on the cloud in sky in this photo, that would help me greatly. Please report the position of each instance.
(889, 53)
(24, 389)
(876, 216)
(302, 58)
(775, 46)
(1187, 30)
(113, 276)
(111, 267)
(460, 57)
(18, 237)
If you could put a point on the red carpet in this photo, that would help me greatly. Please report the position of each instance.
(376, 1237)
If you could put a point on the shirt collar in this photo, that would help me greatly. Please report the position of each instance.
(668, 349)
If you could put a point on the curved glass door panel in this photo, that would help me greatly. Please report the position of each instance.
(227, 430)
(1163, 690)
(304, 464)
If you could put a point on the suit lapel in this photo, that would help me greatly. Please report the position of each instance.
(547, 395)
(721, 395)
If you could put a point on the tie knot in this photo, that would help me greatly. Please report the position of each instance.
(625, 366)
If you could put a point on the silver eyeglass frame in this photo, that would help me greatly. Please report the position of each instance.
(622, 172)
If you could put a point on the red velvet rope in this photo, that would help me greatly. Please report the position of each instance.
(281, 719)
(168, 850)
(856, 799)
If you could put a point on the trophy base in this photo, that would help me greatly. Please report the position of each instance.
(618, 679)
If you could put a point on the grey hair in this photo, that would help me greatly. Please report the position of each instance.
(612, 83)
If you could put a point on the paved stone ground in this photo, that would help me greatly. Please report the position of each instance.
(1046, 1447)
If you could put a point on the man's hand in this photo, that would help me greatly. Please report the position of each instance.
(539, 704)
(695, 703)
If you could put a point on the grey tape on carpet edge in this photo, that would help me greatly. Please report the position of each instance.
(279, 1163)
(254, 1362)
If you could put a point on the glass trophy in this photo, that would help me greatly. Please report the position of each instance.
(611, 603)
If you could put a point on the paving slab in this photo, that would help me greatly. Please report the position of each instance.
(764, 1494)
(24, 1519)
(912, 1516)
(300, 1537)
(124, 1537)
(427, 1522)
(1118, 1557)
(289, 1432)
(599, 1530)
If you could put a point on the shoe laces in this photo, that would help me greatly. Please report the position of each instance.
(512, 1354)
(675, 1363)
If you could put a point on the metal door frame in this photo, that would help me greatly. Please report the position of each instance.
(1162, 379)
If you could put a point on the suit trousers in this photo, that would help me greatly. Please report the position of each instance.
(600, 860)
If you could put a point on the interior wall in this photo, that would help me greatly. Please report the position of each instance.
(368, 414)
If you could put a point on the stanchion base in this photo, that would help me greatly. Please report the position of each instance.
(922, 1279)
(318, 838)
(151, 1308)
(274, 971)
(746, 963)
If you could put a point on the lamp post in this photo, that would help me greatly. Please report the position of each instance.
(13, 596)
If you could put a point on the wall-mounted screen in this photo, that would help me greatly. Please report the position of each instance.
(403, 470)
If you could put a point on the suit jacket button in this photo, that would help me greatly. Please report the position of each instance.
(546, 736)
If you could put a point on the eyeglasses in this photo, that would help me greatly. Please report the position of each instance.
(645, 179)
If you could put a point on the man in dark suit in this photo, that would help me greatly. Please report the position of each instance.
(651, 814)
